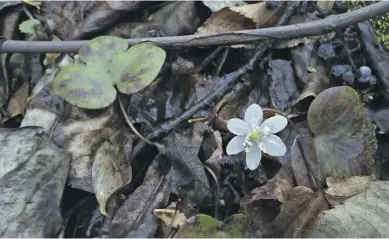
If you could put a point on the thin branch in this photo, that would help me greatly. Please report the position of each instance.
(314, 28)
(128, 121)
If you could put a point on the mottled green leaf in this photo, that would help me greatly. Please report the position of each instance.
(343, 138)
(136, 68)
(204, 226)
(102, 49)
(28, 26)
(88, 87)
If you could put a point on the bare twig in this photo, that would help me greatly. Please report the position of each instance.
(217, 196)
(314, 28)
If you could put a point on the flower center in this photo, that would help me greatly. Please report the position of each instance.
(254, 136)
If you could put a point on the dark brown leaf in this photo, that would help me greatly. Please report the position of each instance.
(77, 19)
(187, 171)
(316, 82)
(300, 171)
(301, 208)
(301, 56)
(135, 217)
(283, 88)
(262, 205)
(174, 19)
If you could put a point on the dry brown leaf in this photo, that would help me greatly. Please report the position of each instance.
(18, 102)
(171, 216)
(341, 189)
(302, 206)
(225, 20)
(326, 5)
(259, 14)
(262, 205)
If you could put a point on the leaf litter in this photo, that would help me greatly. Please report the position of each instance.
(64, 135)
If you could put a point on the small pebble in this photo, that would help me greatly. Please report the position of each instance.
(348, 77)
(339, 70)
(364, 71)
(326, 51)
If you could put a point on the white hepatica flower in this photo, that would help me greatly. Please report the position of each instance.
(253, 136)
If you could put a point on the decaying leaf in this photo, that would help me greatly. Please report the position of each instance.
(187, 172)
(18, 103)
(301, 208)
(204, 226)
(341, 189)
(283, 88)
(248, 16)
(44, 108)
(83, 135)
(297, 154)
(73, 20)
(171, 216)
(316, 82)
(110, 170)
(259, 13)
(325, 5)
(364, 216)
(344, 139)
(32, 179)
(301, 58)
(262, 205)
(135, 218)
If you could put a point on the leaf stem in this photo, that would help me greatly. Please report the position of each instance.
(130, 124)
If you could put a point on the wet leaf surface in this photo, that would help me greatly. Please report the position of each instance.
(283, 88)
(33, 176)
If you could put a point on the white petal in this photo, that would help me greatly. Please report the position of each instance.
(253, 157)
(235, 145)
(238, 126)
(275, 124)
(273, 145)
(253, 115)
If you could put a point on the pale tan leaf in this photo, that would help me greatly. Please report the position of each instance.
(341, 189)
(171, 216)
(18, 102)
(325, 5)
(259, 14)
